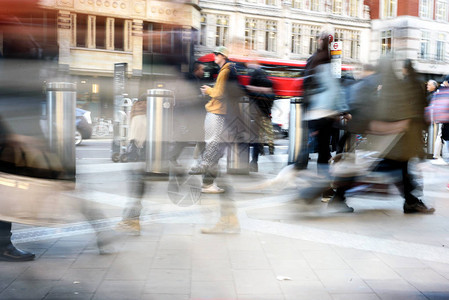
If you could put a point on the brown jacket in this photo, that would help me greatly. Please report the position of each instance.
(216, 104)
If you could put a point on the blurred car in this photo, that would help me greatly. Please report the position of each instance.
(83, 125)
(280, 115)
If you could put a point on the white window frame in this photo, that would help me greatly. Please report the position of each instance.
(298, 4)
(386, 34)
(425, 40)
(354, 47)
(426, 9)
(389, 8)
(221, 30)
(270, 39)
(251, 32)
(441, 10)
(314, 5)
(440, 48)
(203, 30)
(353, 10)
(337, 7)
(297, 31)
(314, 32)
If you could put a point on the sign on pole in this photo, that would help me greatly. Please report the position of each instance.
(336, 59)
(120, 70)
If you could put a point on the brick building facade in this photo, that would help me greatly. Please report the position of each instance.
(412, 29)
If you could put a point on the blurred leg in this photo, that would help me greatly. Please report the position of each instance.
(5, 234)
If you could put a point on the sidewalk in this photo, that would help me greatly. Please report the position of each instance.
(283, 251)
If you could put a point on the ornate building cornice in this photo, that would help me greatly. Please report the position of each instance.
(179, 13)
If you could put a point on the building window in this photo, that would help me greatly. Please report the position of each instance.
(338, 35)
(425, 45)
(426, 9)
(270, 36)
(314, 5)
(353, 8)
(221, 30)
(441, 42)
(386, 41)
(296, 38)
(389, 8)
(441, 10)
(250, 34)
(81, 30)
(119, 30)
(203, 31)
(270, 2)
(313, 39)
(355, 45)
(161, 39)
(337, 6)
(298, 4)
(350, 42)
(100, 32)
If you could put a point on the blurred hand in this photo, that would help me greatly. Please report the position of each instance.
(204, 89)
(347, 117)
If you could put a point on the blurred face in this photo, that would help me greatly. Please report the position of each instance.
(199, 72)
(430, 87)
(220, 59)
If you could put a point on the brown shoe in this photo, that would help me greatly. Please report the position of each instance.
(227, 224)
(130, 226)
(418, 207)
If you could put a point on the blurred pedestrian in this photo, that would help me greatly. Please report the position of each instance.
(136, 178)
(432, 88)
(137, 129)
(397, 111)
(440, 127)
(221, 113)
(261, 96)
(214, 123)
(325, 102)
(189, 114)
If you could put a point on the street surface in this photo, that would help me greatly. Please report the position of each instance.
(285, 250)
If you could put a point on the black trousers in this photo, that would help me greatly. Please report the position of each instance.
(325, 129)
(406, 185)
(5, 233)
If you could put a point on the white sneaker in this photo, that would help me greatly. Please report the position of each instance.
(211, 189)
(439, 162)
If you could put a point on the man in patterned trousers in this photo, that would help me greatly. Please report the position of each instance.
(223, 95)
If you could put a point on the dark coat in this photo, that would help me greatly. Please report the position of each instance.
(261, 102)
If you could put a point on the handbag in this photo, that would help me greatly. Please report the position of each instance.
(32, 192)
(438, 110)
(28, 160)
(361, 163)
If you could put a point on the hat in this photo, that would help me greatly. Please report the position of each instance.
(222, 50)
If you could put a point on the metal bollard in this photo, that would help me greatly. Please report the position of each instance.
(239, 133)
(61, 106)
(298, 134)
(160, 104)
(431, 138)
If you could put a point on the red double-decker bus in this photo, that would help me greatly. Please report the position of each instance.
(286, 75)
